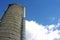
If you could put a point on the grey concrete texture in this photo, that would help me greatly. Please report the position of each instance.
(10, 25)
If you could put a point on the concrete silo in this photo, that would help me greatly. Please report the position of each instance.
(11, 23)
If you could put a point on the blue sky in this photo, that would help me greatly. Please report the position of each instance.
(42, 11)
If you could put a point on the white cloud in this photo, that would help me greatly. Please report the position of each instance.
(51, 26)
(35, 31)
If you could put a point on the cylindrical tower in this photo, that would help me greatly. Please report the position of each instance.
(10, 25)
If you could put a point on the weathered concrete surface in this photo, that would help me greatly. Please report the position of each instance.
(10, 25)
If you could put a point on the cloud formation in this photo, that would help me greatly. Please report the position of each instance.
(35, 31)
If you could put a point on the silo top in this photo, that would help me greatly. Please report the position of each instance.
(15, 8)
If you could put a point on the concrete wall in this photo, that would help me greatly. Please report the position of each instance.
(10, 26)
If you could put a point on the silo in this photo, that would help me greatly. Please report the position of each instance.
(10, 25)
